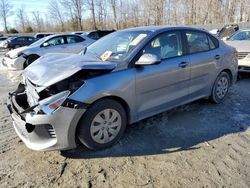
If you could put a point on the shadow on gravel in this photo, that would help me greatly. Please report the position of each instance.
(179, 129)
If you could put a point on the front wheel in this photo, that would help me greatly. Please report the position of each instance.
(102, 125)
(220, 88)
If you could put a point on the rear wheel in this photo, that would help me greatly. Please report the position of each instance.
(221, 87)
(30, 59)
(102, 125)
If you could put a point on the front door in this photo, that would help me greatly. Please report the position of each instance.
(55, 45)
(164, 85)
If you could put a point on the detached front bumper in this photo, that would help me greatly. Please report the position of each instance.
(44, 132)
(13, 64)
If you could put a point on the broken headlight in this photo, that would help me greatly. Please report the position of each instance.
(51, 104)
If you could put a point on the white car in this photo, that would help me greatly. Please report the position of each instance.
(20, 58)
(241, 41)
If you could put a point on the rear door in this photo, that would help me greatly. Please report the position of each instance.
(20, 41)
(164, 85)
(204, 54)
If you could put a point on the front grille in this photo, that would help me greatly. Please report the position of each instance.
(51, 131)
(242, 55)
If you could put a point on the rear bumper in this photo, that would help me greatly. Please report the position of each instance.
(44, 132)
(13, 64)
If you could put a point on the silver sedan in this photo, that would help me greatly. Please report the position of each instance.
(122, 78)
(20, 58)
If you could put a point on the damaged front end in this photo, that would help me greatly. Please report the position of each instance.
(44, 117)
(44, 124)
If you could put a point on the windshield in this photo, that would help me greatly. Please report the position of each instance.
(40, 41)
(116, 46)
(241, 35)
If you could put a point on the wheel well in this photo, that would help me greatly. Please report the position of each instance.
(32, 55)
(122, 102)
(230, 75)
(25, 63)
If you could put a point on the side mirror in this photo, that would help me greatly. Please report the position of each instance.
(45, 44)
(148, 59)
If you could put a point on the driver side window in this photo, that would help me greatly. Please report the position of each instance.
(166, 45)
(56, 41)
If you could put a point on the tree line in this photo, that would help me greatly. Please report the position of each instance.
(78, 15)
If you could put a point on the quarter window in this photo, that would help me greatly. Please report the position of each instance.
(166, 45)
(213, 42)
(197, 41)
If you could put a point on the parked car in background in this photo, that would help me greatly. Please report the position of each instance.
(2, 41)
(16, 42)
(120, 79)
(97, 34)
(77, 32)
(60, 43)
(241, 41)
(226, 31)
(41, 35)
(3, 38)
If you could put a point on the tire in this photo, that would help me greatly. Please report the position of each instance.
(96, 131)
(30, 59)
(220, 87)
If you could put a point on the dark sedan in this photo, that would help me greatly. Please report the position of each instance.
(17, 42)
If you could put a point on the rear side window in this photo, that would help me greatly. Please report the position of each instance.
(20, 39)
(74, 39)
(30, 39)
(197, 41)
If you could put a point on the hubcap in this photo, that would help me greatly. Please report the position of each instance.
(222, 87)
(105, 126)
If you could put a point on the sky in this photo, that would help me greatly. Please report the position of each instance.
(30, 6)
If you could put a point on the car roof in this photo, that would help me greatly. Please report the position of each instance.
(160, 28)
(59, 35)
(245, 29)
(24, 36)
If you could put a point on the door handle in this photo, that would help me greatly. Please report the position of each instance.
(183, 64)
(217, 57)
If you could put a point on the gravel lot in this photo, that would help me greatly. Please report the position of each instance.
(196, 145)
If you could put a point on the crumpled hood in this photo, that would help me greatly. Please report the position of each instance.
(240, 45)
(52, 68)
(13, 53)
